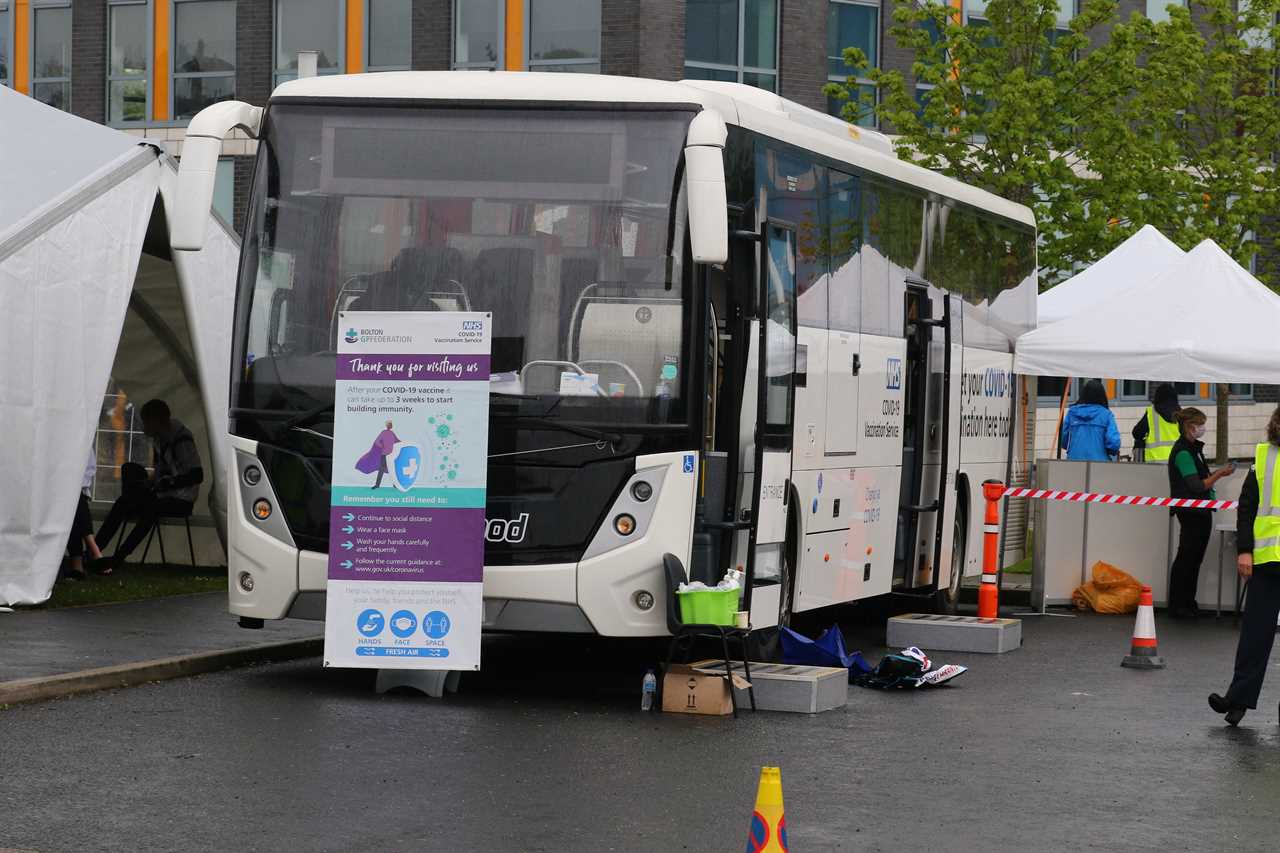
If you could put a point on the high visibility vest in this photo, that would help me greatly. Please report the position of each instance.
(1266, 526)
(1161, 436)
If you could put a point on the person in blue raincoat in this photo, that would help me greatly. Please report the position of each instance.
(1089, 431)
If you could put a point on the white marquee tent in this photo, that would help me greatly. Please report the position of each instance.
(1202, 319)
(76, 200)
(1145, 254)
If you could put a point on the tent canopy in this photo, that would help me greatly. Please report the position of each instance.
(1203, 319)
(1145, 254)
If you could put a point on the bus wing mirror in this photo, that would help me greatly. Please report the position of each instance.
(198, 168)
(704, 180)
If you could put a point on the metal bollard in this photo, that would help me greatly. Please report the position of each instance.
(988, 592)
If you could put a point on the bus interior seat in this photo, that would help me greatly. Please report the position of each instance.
(427, 273)
(502, 283)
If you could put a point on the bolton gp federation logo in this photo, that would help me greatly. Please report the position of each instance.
(352, 336)
(406, 464)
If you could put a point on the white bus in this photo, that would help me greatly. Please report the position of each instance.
(755, 289)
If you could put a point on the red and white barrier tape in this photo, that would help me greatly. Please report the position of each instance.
(1121, 500)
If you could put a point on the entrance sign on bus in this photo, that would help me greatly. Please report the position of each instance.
(407, 508)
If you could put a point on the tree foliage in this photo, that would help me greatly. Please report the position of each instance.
(1099, 125)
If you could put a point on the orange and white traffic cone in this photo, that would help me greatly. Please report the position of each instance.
(1143, 653)
(768, 832)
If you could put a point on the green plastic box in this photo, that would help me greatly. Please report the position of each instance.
(708, 606)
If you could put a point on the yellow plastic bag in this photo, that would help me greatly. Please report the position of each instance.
(1110, 591)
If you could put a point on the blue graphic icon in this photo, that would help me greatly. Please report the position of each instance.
(436, 624)
(346, 546)
(688, 463)
(348, 529)
(348, 517)
(352, 336)
(403, 624)
(893, 374)
(370, 623)
(346, 564)
(819, 482)
(407, 464)
(815, 505)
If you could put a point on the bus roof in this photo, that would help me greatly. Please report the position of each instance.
(745, 106)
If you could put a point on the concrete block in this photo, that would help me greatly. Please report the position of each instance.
(788, 687)
(933, 633)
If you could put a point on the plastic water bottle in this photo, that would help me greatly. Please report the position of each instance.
(649, 690)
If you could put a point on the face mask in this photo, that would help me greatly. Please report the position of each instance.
(1197, 432)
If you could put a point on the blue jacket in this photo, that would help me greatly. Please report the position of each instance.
(1089, 433)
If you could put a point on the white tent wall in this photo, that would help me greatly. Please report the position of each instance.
(64, 288)
(207, 282)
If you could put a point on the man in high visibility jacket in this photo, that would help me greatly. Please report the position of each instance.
(1258, 544)
(1157, 430)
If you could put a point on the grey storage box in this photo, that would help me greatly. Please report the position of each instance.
(934, 633)
(788, 687)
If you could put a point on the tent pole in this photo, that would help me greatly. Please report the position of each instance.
(1062, 413)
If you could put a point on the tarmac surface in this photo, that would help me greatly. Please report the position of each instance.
(1051, 747)
(42, 642)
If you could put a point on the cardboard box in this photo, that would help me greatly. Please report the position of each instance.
(788, 687)
(687, 691)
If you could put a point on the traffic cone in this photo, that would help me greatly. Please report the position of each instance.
(1143, 653)
(768, 822)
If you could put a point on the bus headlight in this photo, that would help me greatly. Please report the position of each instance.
(625, 524)
(262, 509)
(641, 491)
(644, 599)
(246, 581)
(252, 475)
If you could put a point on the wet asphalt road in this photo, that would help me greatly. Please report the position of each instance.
(1052, 747)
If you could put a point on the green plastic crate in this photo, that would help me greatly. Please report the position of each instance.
(708, 606)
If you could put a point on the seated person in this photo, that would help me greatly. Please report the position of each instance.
(170, 491)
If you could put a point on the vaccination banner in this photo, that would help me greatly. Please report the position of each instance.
(406, 516)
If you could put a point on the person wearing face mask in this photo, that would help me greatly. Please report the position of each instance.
(1189, 477)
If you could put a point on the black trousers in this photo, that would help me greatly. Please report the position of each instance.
(1257, 633)
(382, 472)
(1195, 529)
(142, 506)
(81, 527)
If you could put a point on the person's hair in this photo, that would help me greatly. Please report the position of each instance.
(1273, 427)
(155, 410)
(1093, 392)
(1189, 417)
(1165, 394)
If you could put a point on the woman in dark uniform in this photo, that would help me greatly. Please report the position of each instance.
(1189, 477)
(1258, 544)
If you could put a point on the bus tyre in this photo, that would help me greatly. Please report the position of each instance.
(948, 598)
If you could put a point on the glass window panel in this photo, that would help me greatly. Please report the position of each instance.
(128, 40)
(1133, 388)
(575, 67)
(866, 95)
(1187, 389)
(479, 25)
(308, 25)
(128, 100)
(54, 94)
(850, 25)
(1066, 10)
(52, 42)
(564, 29)
(107, 486)
(390, 29)
(780, 342)
(224, 189)
(727, 75)
(1158, 10)
(1051, 387)
(844, 240)
(4, 46)
(192, 94)
(761, 81)
(976, 7)
(711, 31)
(760, 35)
(204, 36)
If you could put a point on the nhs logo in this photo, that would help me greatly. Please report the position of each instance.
(472, 325)
(893, 374)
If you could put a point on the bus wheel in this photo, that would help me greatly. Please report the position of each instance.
(948, 600)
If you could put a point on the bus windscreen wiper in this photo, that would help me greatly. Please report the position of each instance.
(585, 432)
(306, 418)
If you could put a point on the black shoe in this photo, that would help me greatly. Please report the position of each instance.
(103, 565)
(1234, 716)
(1219, 704)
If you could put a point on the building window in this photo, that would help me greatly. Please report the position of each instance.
(309, 25)
(564, 35)
(6, 28)
(1133, 389)
(852, 24)
(389, 31)
(51, 55)
(733, 40)
(477, 34)
(119, 439)
(1158, 10)
(128, 25)
(224, 189)
(1239, 391)
(204, 54)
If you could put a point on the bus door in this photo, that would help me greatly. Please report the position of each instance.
(918, 504)
(769, 568)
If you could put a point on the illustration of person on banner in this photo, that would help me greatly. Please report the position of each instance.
(376, 458)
